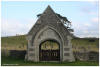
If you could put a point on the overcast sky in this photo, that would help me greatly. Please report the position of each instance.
(19, 17)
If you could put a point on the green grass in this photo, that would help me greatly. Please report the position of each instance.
(14, 40)
(14, 43)
(20, 43)
(7, 61)
(85, 41)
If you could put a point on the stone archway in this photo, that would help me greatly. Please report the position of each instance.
(49, 50)
(47, 27)
(47, 33)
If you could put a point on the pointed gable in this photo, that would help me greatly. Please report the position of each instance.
(48, 14)
(48, 10)
(47, 17)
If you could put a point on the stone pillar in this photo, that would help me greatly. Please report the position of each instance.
(29, 46)
(71, 51)
(67, 51)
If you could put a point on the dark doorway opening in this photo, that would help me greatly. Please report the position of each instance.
(49, 50)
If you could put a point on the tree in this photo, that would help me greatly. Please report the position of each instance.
(64, 20)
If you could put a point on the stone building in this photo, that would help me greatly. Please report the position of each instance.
(49, 39)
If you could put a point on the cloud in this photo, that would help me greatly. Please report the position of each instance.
(89, 11)
(95, 3)
(87, 24)
(13, 27)
(92, 8)
(85, 29)
(96, 19)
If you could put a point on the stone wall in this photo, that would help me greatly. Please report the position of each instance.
(87, 56)
(82, 56)
(17, 54)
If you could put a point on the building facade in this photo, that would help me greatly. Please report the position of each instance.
(49, 39)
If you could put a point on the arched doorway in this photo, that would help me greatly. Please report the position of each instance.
(49, 50)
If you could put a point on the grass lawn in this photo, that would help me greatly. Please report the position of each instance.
(20, 43)
(7, 61)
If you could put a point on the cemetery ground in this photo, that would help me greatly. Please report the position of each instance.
(7, 61)
(20, 43)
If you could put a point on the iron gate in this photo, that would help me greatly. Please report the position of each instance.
(51, 53)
